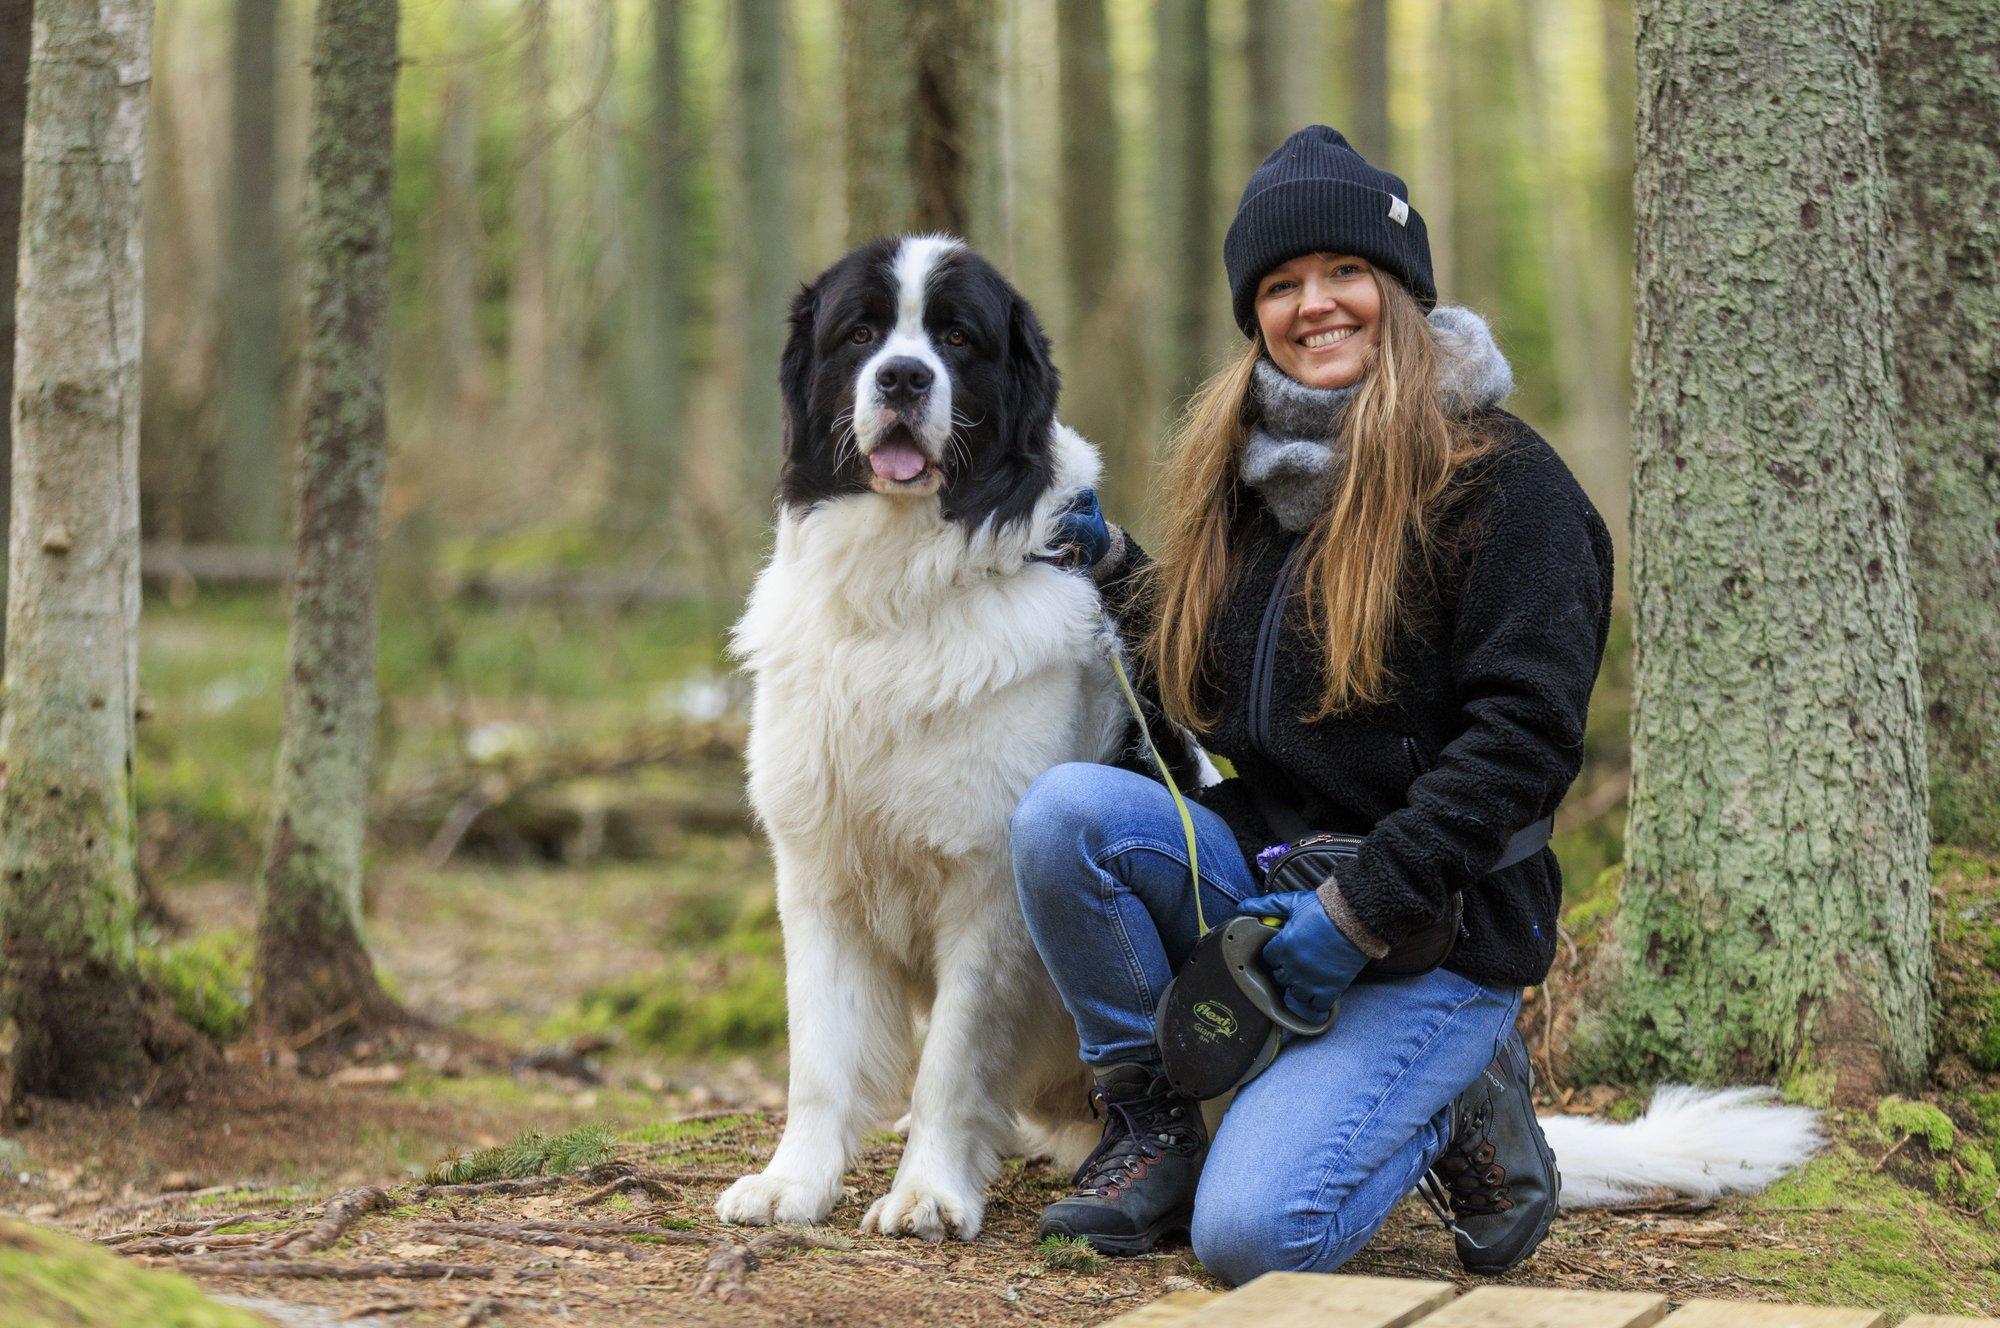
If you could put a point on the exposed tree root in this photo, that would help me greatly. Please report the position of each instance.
(666, 1235)
(342, 1211)
(525, 1233)
(646, 1185)
(726, 1275)
(189, 1227)
(336, 1271)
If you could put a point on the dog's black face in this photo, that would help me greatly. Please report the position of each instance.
(913, 368)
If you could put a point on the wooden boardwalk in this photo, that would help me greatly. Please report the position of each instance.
(1314, 1300)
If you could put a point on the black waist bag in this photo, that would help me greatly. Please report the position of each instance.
(1310, 857)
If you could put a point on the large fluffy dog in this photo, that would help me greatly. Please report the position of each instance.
(915, 671)
(916, 668)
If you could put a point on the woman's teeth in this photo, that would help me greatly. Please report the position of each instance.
(1319, 340)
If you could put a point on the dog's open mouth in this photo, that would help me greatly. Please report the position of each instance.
(900, 466)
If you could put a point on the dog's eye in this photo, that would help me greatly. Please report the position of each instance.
(861, 336)
(955, 337)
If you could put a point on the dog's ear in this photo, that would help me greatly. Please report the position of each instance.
(1032, 381)
(795, 369)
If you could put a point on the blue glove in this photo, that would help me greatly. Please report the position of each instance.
(1081, 530)
(1310, 957)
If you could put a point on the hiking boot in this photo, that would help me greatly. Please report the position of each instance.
(1137, 1185)
(1496, 1184)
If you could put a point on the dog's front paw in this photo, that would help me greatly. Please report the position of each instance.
(770, 1197)
(929, 1212)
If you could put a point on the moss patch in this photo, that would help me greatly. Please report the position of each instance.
(208, 977)
(53, 1281)
(1838, 1232)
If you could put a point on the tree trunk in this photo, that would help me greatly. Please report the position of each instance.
(75, 1017)
(764, 166)
(1275, 32)
(310, 960)
(529, 316)
(1776, 903)
(251, 471)
(950, 131)
(1184, 182)
(16, 21)
(458, 238)
(1940, 68)
(878, 97)
(1368, 102)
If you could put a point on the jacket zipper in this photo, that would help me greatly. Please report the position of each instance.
(1264, 665)
(1415, 755)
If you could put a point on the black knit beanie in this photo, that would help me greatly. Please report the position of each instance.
(1315, 194)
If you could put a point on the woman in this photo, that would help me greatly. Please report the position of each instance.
(1384, 600)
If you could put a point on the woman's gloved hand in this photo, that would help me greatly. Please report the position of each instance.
(1082, 531)
(1310, 957)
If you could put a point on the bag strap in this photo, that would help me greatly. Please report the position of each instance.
(1291, 827)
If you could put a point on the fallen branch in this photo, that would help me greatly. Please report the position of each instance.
(339, 1272)
(342, 1211)
(643, 1184)
(521, 1233)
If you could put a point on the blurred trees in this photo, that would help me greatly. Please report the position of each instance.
(765, 243)
(310, 961)
(16, 17)
(76, 1019)
(1775, 909)
(1188, 245)
(1940, 68)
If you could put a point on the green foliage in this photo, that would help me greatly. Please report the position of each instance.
(687, 1132)
(1069, 1254)
(208, 977)
(533, 1154)
(55, 1281)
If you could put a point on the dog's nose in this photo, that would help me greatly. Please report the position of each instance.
(903, 379)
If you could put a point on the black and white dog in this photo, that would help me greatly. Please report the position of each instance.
(917, 664)
(915, 669)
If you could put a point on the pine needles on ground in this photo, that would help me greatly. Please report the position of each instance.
(533, 1154)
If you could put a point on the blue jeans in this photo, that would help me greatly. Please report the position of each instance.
(1313, 1153)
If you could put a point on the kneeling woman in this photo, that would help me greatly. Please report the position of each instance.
(1385, 600)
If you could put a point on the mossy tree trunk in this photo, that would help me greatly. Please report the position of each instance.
(1776, 903)
(252, 470)
(1184, 185)
(16, 20)
(311, 963)
(1940, 69)
(75, 1016)
(766, 256)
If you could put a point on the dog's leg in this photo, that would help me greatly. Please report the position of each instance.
(850, 1041)
(969, 1076)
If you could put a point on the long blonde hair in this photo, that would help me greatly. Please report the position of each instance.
(1402, 450)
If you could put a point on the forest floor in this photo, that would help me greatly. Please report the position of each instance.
(645, 971)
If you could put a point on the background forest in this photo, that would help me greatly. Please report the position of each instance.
(1752, 305)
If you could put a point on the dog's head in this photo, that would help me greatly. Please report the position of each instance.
(914, 369)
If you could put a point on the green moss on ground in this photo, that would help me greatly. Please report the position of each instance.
(1838, 1232)
(208, 977)
(49, 1280)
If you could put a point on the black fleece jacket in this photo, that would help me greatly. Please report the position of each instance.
(1483, 732)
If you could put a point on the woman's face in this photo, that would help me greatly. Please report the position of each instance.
(1319, 315)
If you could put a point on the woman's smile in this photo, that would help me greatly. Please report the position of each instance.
(1319, 314)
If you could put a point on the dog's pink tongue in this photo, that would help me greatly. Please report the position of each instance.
(897, 461)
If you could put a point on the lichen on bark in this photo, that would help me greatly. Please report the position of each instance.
(1776, 903)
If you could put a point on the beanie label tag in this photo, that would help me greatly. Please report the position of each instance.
(1399, 211)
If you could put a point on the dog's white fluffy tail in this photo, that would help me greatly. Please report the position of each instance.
(1699, 1142)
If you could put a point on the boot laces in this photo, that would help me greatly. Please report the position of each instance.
(1466, 1181)
(1135, 1134)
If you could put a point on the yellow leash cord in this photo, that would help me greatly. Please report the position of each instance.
(1160, 764)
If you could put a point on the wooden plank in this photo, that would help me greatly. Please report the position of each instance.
(1169, 1311)
(1751, 1314)
(1539, 1307)
(1320, 1300)
(1946, 1321)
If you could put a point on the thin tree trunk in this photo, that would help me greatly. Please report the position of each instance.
(16, 22)
(1776, 901)
(529, 313)
(877, 98)
(1185, 185)
(1940, 68)
(1368, 104)
(310, 960)
(75, 1016)
(458, 239)
(1432, 160)
(1279, 103)
(764, 167)
(251, 472)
